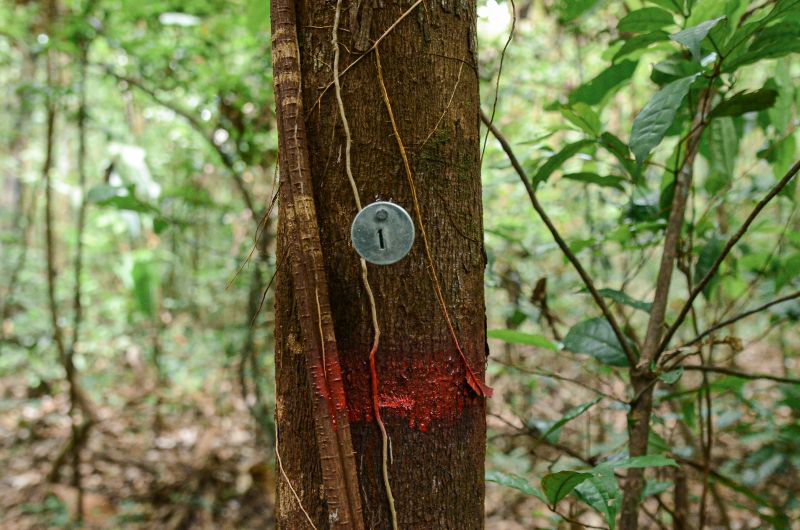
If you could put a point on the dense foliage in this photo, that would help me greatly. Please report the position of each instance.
(157, 173)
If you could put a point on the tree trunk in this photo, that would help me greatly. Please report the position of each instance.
(434, 419)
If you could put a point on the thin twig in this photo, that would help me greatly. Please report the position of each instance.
(712, 271)
(553, 375)
(573, 259)
(499, 73)
(742, 375)
(224, 156)
(741, 316)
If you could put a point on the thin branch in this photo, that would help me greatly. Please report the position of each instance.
(725, 251)
(683, 183)
(225, 157)
(742, 375)
(573, 259)
(553, 375)
(500, 73)
(741, 316)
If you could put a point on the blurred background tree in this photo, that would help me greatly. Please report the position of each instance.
(138, 163)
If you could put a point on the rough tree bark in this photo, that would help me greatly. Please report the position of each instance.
(435, 420)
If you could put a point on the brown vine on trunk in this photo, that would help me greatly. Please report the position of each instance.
(316, 347)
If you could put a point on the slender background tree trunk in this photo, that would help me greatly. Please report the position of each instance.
(435, 421)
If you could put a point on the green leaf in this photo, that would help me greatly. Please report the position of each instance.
(672, 376)
(584, 117)
(556, 486)
(745, 102)
(654, 488)
(672, 69)
(596, 338)
(117, 197)
(770, 43)
(569, 10)
(516, 482)
(623, 298)
(655, 118)
(708, 255)
(558, 159)
(694, 36)
(593, 178)
(788, 272)
(518, 337)
(143, 277)
(622, 153)
(594, 91)
(645, 19)
(160, 224)
(722, 149)
(645, 461)
(671, 5)
(640, 42)
(568, 417)
(602, 493)
(257, 16)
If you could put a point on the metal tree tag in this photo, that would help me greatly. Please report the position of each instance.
(382, 233)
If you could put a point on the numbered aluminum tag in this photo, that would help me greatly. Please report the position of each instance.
(382, 233)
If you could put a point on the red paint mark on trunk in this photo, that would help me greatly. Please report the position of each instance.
(421, 391)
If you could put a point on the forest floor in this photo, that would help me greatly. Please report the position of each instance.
(194, 464)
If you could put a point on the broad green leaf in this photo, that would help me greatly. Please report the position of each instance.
(513, 336)
(640, 42)
(593, 178)
(160, 224)
(780, 115)
(144, 280)
(644, 461)
(556, 486)
(258, 16)
(584, 117)
(569, 10)
(745, 102)
(708, 255)
(655, 118)
(516, 482)
(558, 159)
(602, 493)
(653, 487)
(770, 43)
(622, 153)
(645, 19)
(723, 148)
(117, 197)
(594, 337)
(104, 192)
(672, 69)
(788, 271)
(671, 5)
(694, 36)
(594, 91)
(672, 376)
(780, 9)
(193, 195)
(568, 417)
(623, 298)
